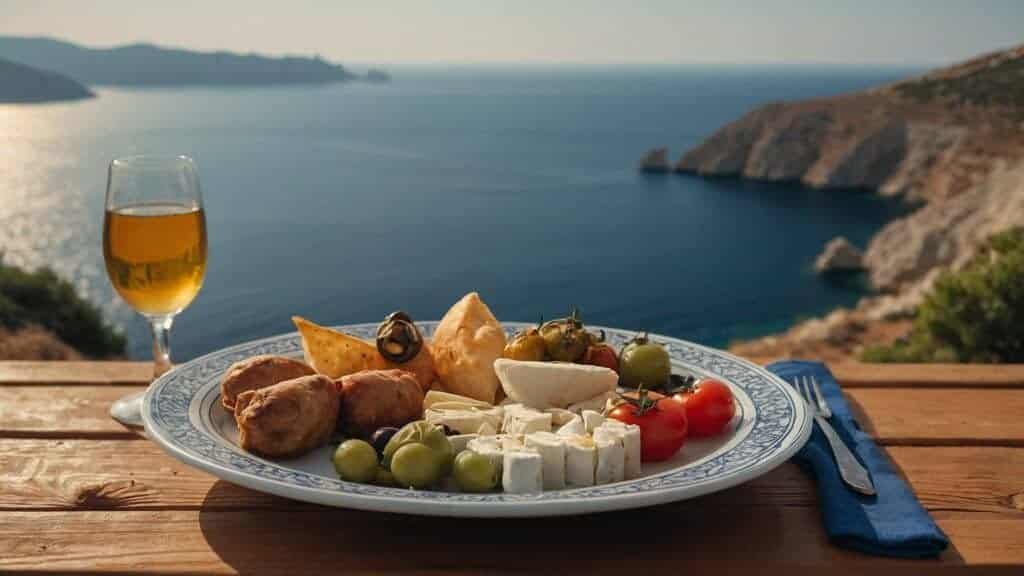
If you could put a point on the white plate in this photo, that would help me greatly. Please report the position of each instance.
(183, 414)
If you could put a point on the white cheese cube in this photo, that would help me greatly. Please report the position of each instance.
(511, 442)
(580, 461)
(489, 446)
(525, 420)
(575, 427)
(592, 420)
(551, 448)
(629, 436)
(596, 403)
(522, 472)
(560, 417)
(611, 459)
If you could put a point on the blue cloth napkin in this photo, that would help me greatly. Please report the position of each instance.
(892, 523)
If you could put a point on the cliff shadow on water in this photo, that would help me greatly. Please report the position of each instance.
(792, 225)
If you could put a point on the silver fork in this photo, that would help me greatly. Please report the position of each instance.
(850, 469)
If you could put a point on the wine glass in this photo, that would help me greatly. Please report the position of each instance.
(154, 246)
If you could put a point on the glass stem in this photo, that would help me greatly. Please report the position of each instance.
(161, 343)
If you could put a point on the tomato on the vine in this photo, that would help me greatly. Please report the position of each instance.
(662, 424)
(709, 405)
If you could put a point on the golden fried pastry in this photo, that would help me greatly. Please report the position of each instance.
(465, 345)
(289, 418)
(258, 372)
(421, 366)
(375, 398)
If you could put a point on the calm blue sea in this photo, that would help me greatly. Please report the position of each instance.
(343, 203)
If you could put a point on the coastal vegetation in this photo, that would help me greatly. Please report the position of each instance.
(35, 305)
(974, 315)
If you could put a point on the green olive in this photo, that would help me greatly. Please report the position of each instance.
(415, 465)
(384, 477)
(644, 363)
(356, 461)
(475, 472)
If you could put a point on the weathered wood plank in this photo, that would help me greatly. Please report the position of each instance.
(61, 411)
(911, 416)
(91, 475)
(75, 373)
(851, 374)
(696, 534)
(895, 416)
(860, 375)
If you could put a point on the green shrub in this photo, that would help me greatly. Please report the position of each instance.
(44, 299)
(974, 315)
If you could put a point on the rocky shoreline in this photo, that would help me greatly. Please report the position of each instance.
(950, 142)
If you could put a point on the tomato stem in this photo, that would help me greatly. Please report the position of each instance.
(643, 402)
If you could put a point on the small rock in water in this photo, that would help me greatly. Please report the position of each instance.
(839, 255)
(655, 161)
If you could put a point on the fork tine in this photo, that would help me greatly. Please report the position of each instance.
(822, 405)
(799, 383)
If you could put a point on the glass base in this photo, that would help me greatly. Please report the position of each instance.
(128, 410)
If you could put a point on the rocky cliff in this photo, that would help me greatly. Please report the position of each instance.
(951, 141)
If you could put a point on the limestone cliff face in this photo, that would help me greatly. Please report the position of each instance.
(951, 141)
(944, 140)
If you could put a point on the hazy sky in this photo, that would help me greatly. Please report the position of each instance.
(594, 31)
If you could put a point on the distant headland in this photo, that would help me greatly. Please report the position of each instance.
(20, 83)
(149, 65)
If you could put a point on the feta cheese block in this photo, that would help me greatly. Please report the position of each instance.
(597, 403)
(543, 385)
(521, 420)
(580, 461)
(510, 442)
(560, 417)
(551, 448)
(591, 420)
(522, 471)
(629, 436)
(438, 399)
(489, 446)
(575, 427)
(611, 459)
(465, 420)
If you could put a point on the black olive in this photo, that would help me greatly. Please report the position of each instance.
(398, 338)
(381, 438)
(448, 431)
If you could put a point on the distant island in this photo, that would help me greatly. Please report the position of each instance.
(950, 142)
(20, 83)
(149, 65)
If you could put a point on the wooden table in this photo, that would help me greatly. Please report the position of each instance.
(79, 493)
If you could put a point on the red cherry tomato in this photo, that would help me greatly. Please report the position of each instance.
(602, 355)
(662, 426)
(709, 407)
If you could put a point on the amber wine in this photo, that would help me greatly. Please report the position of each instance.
(155, 255)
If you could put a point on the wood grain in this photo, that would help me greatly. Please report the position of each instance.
(96, 475)
(76, 373)
(863, 375)
(850, 374)
(913, 416)
(895, 416)
(61, 411)
(329, 540)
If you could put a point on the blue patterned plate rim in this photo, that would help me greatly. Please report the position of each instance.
(781, 425)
